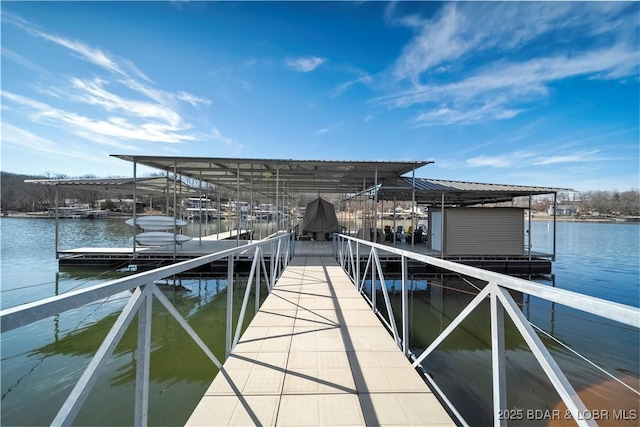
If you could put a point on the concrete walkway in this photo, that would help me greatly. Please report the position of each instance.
(316, 355)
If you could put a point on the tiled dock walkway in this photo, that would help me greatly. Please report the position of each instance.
(315, 355)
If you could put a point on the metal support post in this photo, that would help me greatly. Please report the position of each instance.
(414, 223)
(258, 258)
(200, 212)
(175, 207)
(238, 207)
(375, 205)
(272, 266)
(357, 265)
(373, 284)
(442, 236)
(229, 323)
(250, 213)
(143, 356)
(277, 190)
(405, 308)
(364, 207)
(498, 371)
(529, 245)
(57, 203)
(135, 255)
(166, 194)
(218, 197)
(395, 227)
(555, 214)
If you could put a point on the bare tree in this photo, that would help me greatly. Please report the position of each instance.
(612, 202)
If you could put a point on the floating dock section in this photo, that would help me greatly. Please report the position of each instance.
(147, 257)
(152, 257)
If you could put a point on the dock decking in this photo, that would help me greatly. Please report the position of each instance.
(315, 354)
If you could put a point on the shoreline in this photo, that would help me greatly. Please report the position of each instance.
(612, 220)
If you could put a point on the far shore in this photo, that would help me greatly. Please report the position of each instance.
(585, 219)
(534, 217)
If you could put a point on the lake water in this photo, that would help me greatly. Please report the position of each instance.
(42, 361)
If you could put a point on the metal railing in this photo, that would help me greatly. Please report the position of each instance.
(348, 251)
(280, 248)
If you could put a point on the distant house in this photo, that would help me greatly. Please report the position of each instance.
(197, 203)
(234, 206)
(126, 205)
(564, 210)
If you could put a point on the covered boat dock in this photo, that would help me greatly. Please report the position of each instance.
(281, 183)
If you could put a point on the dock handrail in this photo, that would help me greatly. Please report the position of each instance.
(140, 302)
(347, 251)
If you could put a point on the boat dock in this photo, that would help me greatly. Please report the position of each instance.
(315, 354)
(152, 257)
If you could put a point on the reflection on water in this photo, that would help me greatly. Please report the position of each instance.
(602, 260)
(41, 362)
(461, 365)
(36, 380)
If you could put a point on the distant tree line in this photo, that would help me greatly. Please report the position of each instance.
(610, 202)
(18, 196)
(625, 203)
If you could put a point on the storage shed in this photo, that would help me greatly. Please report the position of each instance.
(478, 231)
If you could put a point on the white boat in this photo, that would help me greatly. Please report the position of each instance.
(160, 238)
(156, 222)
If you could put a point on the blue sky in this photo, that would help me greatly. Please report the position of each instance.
(537, 93)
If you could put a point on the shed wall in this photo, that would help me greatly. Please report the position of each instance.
(484, 231)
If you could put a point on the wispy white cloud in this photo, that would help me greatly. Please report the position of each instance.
(95, 56)
(9, 54)
(109, 141)
(161, 96)
(81, 50)
(245, 84)
(146, 113)
(463, 30)
(578, 157)
(480, 61)
(218, 136)
(94, 92)
(115, 127)
(328, 129)
(500, 161)
(192, 99)
(341, 88)
(304, 64)
(447, 116)
(437, 41)
(18, 137)
(505, 84)
(15, 136)
(534, 158)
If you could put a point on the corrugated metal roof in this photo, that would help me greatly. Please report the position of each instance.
(431, 191)
(428, 184)
(148, 185)
(291, 176)
(287, 176)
